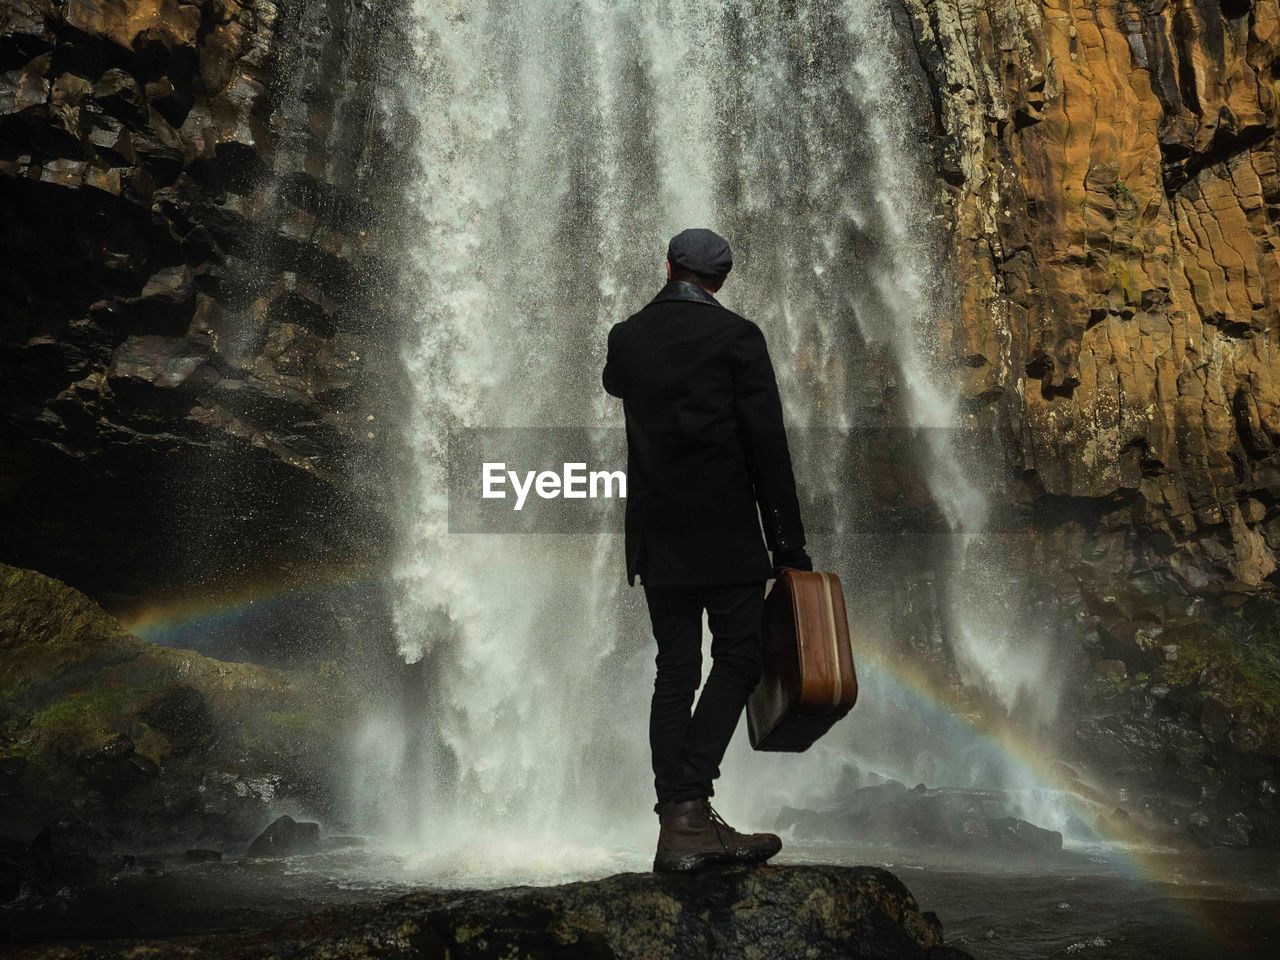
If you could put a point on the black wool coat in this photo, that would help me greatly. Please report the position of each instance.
(707, 455)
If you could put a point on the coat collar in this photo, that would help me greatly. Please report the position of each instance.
(684, 290)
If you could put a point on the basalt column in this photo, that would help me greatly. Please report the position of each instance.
(199, 281)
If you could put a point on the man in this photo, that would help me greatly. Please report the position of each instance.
(707, 461)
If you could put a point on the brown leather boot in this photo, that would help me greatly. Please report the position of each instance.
(693, 835)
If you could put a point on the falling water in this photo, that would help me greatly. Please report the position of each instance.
(560, 146)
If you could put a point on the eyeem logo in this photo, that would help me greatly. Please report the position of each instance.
(884, 490)
(574, 482)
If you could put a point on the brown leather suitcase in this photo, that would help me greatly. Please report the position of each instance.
(808, 681)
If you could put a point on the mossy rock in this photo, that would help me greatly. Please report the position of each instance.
(1236, 658)
(45, 627)
(115, 726)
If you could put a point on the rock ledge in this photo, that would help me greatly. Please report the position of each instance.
(764, 913)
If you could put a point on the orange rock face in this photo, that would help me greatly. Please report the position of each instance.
(1112, 179)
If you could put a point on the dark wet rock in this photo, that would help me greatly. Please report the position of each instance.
(169, 285)
(1190, 743)
(1231, 831)
(162, 363)
(202, 855)
(286, 837)
(182, 715)
(14, 872)
(860, 803)
(1015, 834)
(72, 852)
(889, 813)
(1128, 745)
(115, 766)
(150, 865)
(179, 180)
(1245, 738)
(1112, 668)
(11, 771)
(766, 913)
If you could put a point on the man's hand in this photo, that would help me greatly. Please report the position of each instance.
(795, 559)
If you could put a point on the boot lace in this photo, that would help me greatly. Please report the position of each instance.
(722, 827)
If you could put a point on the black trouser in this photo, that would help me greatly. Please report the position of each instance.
(687, 749)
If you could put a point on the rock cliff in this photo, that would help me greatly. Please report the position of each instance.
(1110, 178)
(1112, 190)
(194, 307)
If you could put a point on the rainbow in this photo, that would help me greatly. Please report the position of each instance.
(165, 619)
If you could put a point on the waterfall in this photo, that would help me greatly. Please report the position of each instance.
(560, 146)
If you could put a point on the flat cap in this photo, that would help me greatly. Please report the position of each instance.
(702, 251)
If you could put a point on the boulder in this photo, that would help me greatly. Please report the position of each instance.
(1019, 835)
(733, 913)
(286, 837)
(72, 852)
(115, 766)
(978, 821)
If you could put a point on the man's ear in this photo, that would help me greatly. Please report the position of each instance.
(668, 269)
